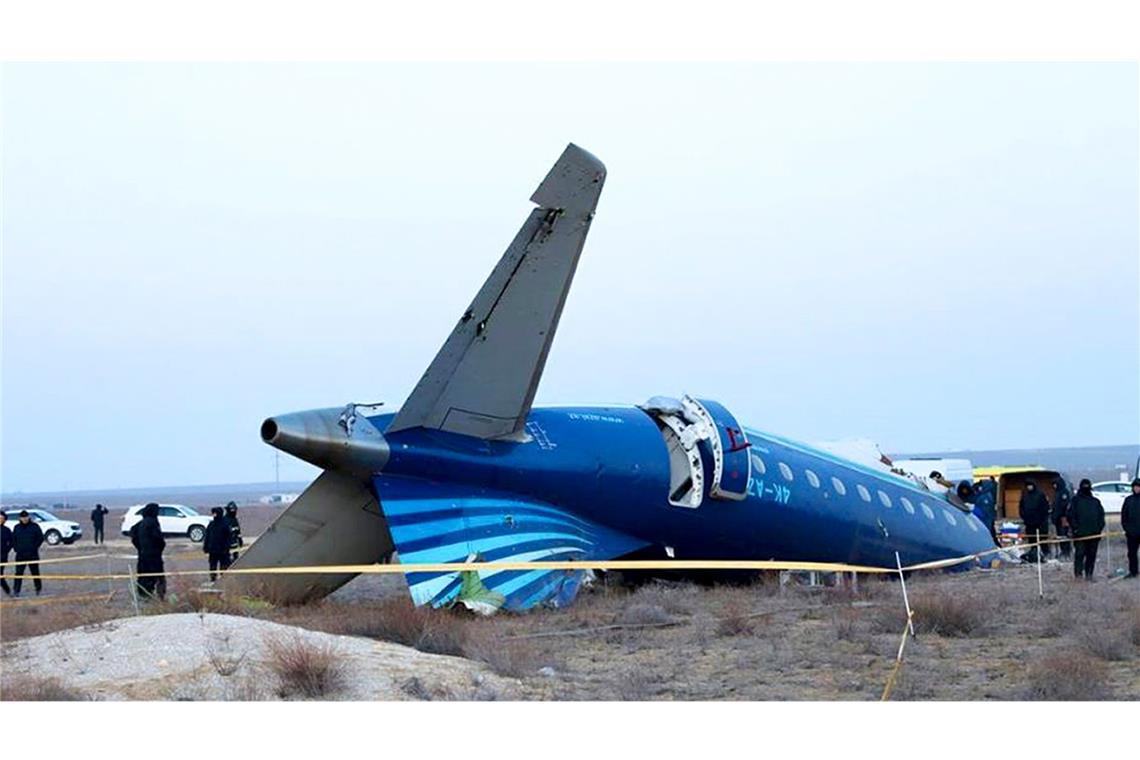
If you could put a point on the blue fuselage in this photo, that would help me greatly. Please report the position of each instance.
(610, 465)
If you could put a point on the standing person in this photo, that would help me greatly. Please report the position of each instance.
(216, 544)
(235, 530)
(1088, 520)
(1130, 521)
(146, 537)
(1034, 509)
(5, 550)
(97, 521)
(27, 537)
(985, 506)
(1061, 517)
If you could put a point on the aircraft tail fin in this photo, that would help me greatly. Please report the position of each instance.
(483, 380)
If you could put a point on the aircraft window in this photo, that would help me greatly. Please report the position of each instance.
(884, 499)
(812, 478)
(926, 510)
(973, 525)
(758, 465)
(949, 517)
(864, 494)
(907, 505)
(786, 472)
(837, 484)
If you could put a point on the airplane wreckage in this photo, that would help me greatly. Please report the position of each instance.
(468, 471)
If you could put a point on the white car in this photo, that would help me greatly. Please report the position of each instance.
(56, 531)
(174, 519)
(1112, 494)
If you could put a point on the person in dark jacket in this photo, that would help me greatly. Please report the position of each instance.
(27, 538)
(1034, 509)
(985, 505)
(216, 544)
(1061, 518)
(235, 530)
(5, 550)
(97, 521)
(1087, 520)
(146, 537)
(1130, 521)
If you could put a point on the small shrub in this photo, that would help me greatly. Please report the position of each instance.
(1072, 677)
(640, 613)
(636, 686)
(948, 614)
(399, 621)
(39, 690)
(248, 688)
(847, 627)
(1105, 643)
(222, 658)
(415, 689)
(304, 669)
(675, 599)
(735, 620)
(514, 658)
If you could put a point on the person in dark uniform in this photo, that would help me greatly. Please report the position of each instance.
(235, 530)
(1034, 509)
(1130, 521)
(146, 537)
(1061, 517)
(27, 538)
(97, 521)
(1087, 520)
(5, 550)
(216, 544)
(985, 505)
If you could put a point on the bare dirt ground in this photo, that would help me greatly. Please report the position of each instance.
(981, 635)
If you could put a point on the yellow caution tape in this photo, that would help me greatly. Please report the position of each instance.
(673, 564)
(51, 561)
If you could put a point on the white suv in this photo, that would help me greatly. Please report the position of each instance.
(56, 531)
(1112, 494)
(174, 519)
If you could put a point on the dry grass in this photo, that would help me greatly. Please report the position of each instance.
(1134, 628)
(675, 599)
(736, 620)
(399, 621)
(847, 627)
(513, 658)
(949, 614)
(1105, 641)
(24, 621)
(303, 669)
(1068, 677)
(38, 690)
(641, 613)
(937, 611)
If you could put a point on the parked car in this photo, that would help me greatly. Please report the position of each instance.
(56, 531)
(1112, 494)
(174, 519)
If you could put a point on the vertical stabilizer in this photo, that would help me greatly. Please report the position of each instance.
(483, 380)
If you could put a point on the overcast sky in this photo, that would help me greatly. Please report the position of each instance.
(932, 256)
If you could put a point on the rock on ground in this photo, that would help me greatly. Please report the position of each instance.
(205, 656)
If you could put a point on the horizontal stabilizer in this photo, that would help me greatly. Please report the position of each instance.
(483, 380)
(335, 521)
(438, 522)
